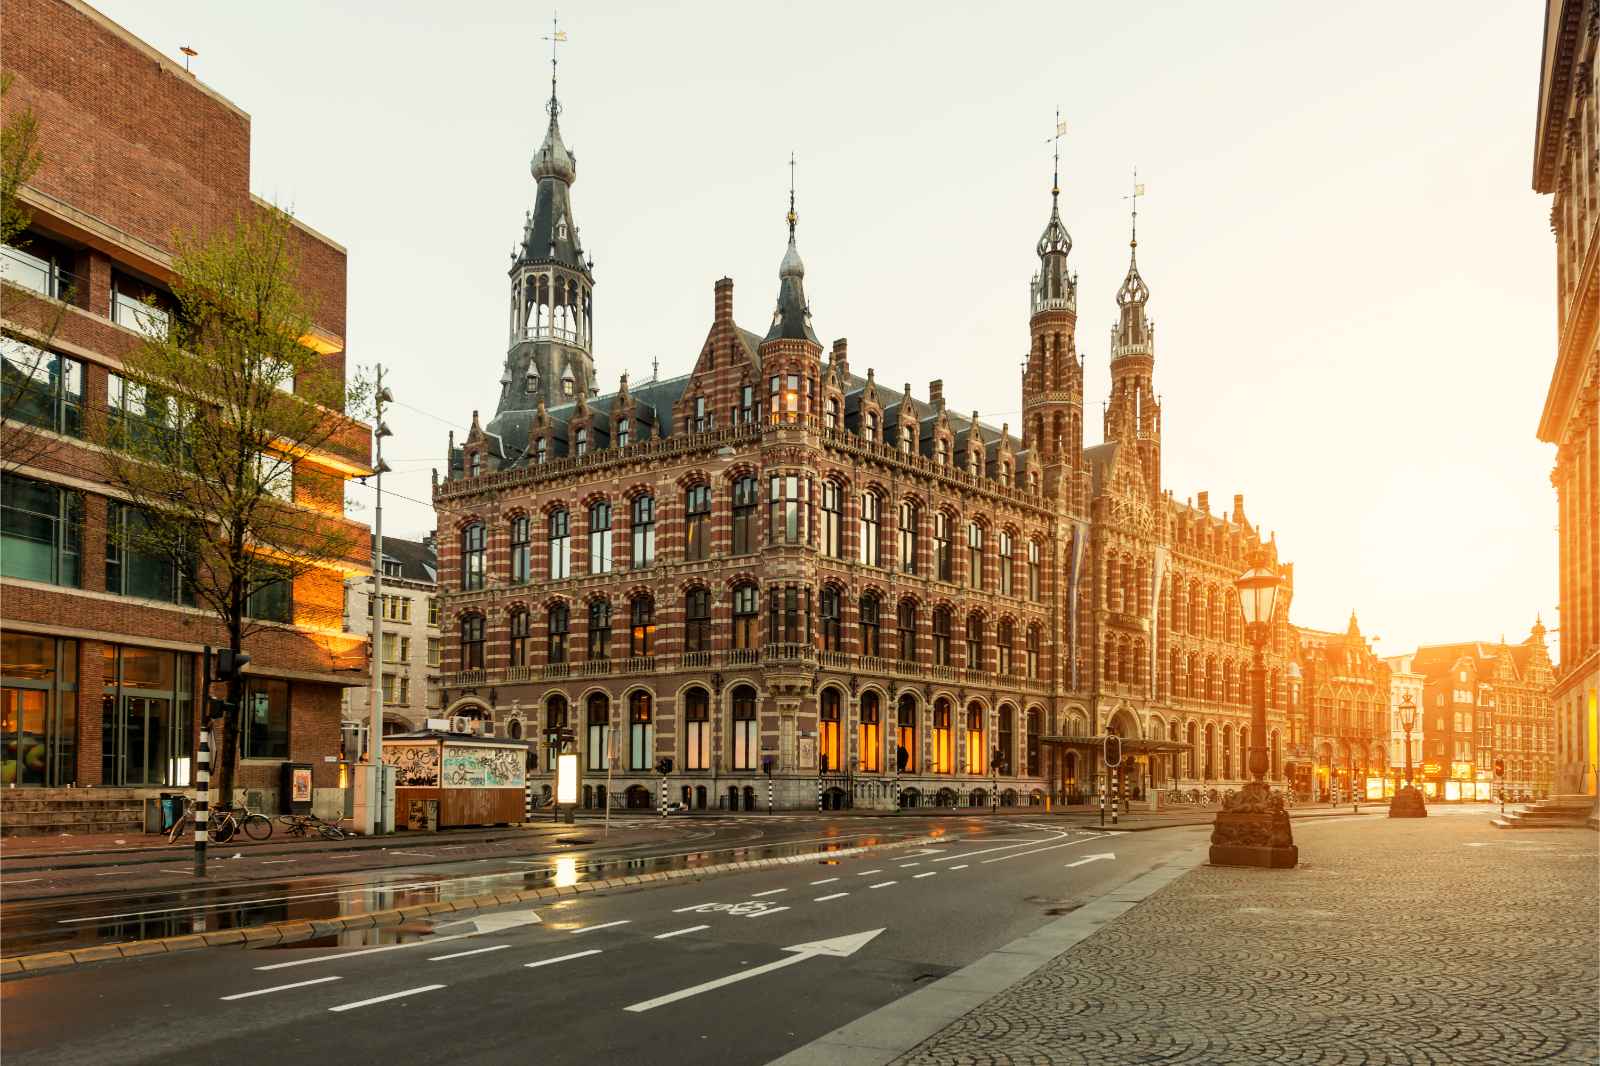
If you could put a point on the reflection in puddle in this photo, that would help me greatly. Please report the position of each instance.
(215, 910)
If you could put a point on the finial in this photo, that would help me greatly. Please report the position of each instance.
(1138, 191)
(1055, 176)
(793, 218)
(556, 36)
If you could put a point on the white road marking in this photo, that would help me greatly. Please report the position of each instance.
(114, 873)
(963, 866)
(415, 854)
(695, 907)
(384, 999)
(768, 892)
(883, 884)
(602, 925)
(905, 864)
(464, 954)
(1035, 851)
(21, 881)
(824, 899)
(838, 947)
(561, 958)
(274, 862)
(867, 873)
(1091, 858)
(930, 873)
(280, 988)
(1001, 847)
(769, 910)
(453, 847)
(680, 932)
(825, 881)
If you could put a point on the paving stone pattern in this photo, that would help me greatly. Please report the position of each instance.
(1395, 942)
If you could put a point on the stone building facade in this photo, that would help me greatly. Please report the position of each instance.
(1566, 163)
(772, 562)
(411, 651)
(1485, 703)
(1342, 713)
(101, 646)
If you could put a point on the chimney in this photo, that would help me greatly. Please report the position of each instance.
(1205, 502)
(936, 393)
(841, 356)
(724, 300)
(1238, 507)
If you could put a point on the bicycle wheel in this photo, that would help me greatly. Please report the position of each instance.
(331, 832)
(178, 827)
(257, 826)
(222, 829)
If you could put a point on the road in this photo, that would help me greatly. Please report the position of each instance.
(733, 969)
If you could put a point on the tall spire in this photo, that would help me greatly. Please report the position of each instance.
(792, 318)
(1053, 287)
(553, 159)
(1133, 290)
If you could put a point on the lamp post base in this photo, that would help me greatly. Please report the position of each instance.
(1253, 829)
(1407, 803)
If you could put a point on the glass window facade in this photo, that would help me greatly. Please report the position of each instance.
(147, 717)
(41, 388)
(41, 531)
(38, 710)
(264, 720)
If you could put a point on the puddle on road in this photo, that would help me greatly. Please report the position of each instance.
(242, 906)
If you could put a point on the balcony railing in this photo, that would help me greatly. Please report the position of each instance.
(42, 276)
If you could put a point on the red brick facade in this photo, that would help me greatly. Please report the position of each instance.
(135, 151)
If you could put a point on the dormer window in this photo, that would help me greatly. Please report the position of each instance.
(940, 455)
(566, 384)
(561, 229)
(623, 428)
(582, 445)
(908, 439)
(541, 450)
(532, 382)
(872, 426)
(475, 462)
(833, 413)
(701, 422)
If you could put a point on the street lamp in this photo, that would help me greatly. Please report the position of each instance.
(1407, 801)
(1252, 829)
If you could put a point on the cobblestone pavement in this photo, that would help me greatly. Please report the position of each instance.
(1437, 940)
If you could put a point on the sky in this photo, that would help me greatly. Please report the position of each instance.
(1352, 280)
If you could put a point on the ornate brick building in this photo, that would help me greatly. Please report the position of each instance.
(101, 644)
(1566, 162)
(774, 561)
(1342, 701)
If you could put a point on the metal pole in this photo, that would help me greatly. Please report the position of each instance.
(375, 727)
(663, 801)
(1116, 799)
(203, 768)
(610, 762)
(819, 792)
(769, 792)
(1103, 795)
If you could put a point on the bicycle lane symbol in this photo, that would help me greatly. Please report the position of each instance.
(746, 909)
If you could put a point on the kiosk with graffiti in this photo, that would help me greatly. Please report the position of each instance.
(483, 767)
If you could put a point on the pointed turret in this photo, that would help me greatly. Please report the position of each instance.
(792, 318)
(1133, 414)
(550, 356)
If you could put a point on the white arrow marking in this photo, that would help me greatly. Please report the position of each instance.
(1092, 858)
(838, 947)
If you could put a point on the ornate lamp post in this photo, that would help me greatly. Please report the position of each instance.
(1407, 801)
(1252, 829)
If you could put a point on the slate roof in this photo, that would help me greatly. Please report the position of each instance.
(417, 558)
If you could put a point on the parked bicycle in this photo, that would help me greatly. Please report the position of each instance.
(300, 825)
(222, 824)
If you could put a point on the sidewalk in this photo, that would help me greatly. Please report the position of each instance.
(1435, 940)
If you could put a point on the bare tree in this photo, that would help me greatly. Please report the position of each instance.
(221, 400)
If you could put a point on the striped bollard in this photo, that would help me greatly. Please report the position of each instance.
(1116, 801)
(527, 801)
(819, 793)
(663, 800)
(201, 805)
(1103, 799)
(769, 793)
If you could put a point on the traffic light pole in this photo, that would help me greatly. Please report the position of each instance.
(203, 767)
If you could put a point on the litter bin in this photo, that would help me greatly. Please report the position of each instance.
(294, 791)
(171, 809)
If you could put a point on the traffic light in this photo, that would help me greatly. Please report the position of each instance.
(1112, 753)
(231, 664)
(664, 765)
(769, 763)
(1499, 768)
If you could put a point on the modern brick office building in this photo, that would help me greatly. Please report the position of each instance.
(772, 560)
(100, 645)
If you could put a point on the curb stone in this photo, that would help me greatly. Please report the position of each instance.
(293, 932)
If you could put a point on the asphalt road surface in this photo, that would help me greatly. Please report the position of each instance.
(734, 969)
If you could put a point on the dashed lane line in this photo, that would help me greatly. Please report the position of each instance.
(384, 999)
(767, 911)
(602, 925)
(768, 892)
(1035, 851)
(883, 884)
(680, 932)
(906, 864)
(868, 873)
(561, 958)
(963, 866)
(824, 899)
(464, 954)
(917, 877)
(824, 881)
(279, 988)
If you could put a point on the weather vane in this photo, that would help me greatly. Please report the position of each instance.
(1138, 191)
(1061, 131)
(556, 36)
